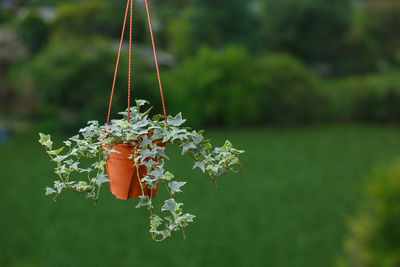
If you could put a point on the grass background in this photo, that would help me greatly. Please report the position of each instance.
(287, 208)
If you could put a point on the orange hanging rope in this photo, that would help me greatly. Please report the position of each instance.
(130, 63)
(130, 3)
(156, 60)
(117, 64)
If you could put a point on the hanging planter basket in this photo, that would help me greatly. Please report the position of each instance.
(126, 177)
(130, 153)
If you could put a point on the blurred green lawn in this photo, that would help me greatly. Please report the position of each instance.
(287, 208)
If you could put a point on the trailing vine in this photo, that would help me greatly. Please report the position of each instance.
(95, 143)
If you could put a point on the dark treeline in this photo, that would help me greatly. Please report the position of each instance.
(227, 62)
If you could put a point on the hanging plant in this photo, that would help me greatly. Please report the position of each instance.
(130, 155)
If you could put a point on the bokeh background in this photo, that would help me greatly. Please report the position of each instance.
(309, 88)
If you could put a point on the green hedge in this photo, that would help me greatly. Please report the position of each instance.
(230, 87)
(72, 80)
(375, 234)
(371, 98)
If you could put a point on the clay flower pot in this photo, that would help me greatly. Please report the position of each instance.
(123, 173)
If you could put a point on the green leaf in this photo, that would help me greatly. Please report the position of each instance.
(83, 186)
(55, 152)
(155, 222)
(168, 176)
(45, 140)
(141, 102)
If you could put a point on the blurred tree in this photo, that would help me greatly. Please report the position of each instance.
(11, 52)
(33, 31)
(307, 28)
(71, 78)
(382, 18)
(6, 15)
(214, 88)
(230, 87)
(358, 52)
(288, 92)
(217, 23)
(93, 17)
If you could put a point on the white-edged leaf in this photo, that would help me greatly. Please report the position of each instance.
(171, 205)
(176, 186)
(200, 165)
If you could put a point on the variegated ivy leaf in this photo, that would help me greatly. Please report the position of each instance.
(141, 102)
(157, 173)
(213, 168)
(74, 166)
(100, 165)
(59, 186)
(176, 121)
(150, 181)
(85, 170)
(144, 201)
(149, 164)
(155, 222)
(146, 153)
(83, 186)
(161, 152)
(176, 186)
(50, 191)
(45, 140)
(146, 141)
(95, 142)
(200, 165)
(187, 146)
(91, 194)
(101, 179)
(67, 143)
(171, 205)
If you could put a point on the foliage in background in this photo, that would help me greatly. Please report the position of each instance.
(368, 98)
(88, 18)
(309, 29)
(381, 20)
(243, 67)
(271, 89)
(72, 77)
(375, 234)
(214, 88)
(218, 23)
(287, 91)
(33, 31)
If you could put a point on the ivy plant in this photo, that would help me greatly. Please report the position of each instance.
(94, 144)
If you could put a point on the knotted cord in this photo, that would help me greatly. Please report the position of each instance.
(117, 64)
(130, 4)
(156, 59)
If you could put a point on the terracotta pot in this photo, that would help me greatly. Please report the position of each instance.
(121, 170)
